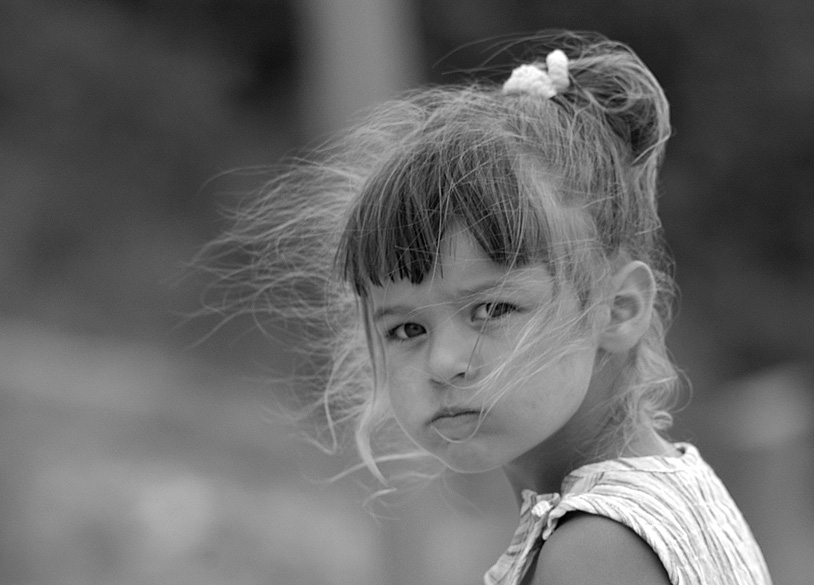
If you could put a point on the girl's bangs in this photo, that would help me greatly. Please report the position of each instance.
(398, 226)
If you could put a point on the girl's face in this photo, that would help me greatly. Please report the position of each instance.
(443, 337)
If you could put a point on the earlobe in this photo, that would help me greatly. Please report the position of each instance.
(631, 307)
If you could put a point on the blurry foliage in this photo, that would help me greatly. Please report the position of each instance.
(113, 116)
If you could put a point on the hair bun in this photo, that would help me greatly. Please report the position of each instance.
(614, 80)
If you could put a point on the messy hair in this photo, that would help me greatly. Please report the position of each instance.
(570, 182)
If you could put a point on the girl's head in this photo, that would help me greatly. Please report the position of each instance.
(558, 189)
(567, 182)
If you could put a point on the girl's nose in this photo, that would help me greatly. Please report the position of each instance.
(452, 357)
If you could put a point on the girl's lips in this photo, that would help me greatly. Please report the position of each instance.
(456, 424)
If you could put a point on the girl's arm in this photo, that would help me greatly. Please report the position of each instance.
(590, 549)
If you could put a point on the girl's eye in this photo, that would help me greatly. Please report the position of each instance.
(488, 311)
(405, 331)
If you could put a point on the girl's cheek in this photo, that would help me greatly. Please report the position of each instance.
(401, 381)
(394, 375)
(402, 384)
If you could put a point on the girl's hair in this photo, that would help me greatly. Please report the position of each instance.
(570, 181)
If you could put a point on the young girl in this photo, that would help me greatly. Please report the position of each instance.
(480, 271)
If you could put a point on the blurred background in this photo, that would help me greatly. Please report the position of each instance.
(136, 448)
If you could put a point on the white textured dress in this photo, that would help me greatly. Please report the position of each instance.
(676, 504)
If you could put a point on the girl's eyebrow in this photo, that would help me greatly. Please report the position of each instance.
(507, 283)
(389, 310)
(515, 280)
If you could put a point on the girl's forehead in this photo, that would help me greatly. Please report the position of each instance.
(460, 257)
(460, 261)
(462, 270)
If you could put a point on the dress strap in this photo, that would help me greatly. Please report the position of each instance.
(513, 564)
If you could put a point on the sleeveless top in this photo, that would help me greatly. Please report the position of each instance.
(676, 504)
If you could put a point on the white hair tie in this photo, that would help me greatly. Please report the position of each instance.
(533, 80)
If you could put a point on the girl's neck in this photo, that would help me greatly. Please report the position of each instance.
(543, 470)
(591, 435)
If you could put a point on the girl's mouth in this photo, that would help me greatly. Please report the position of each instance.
(456, 425)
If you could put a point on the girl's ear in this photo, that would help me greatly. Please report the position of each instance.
(631, 307)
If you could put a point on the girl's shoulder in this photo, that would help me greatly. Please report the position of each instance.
(589, 549)
(597, 531)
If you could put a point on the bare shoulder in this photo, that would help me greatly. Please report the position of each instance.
(591, 549)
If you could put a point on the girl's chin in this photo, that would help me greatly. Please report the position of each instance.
(467, 457)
